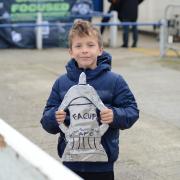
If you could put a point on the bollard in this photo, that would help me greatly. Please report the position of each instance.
(163, 38)
(39, 38)
(113, 30)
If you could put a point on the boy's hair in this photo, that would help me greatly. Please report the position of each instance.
(84, 28)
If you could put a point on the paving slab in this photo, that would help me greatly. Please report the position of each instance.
(149, 150)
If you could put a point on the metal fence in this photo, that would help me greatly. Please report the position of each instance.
(172, 33)
(168, 28)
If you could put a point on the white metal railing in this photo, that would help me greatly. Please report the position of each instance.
(172, 32)
(21, 159)
(113, 31)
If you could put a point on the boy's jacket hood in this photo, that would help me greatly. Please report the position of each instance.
(103, 64)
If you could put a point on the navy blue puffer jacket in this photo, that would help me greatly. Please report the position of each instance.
(115, 94)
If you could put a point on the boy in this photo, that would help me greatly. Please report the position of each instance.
(121, 112)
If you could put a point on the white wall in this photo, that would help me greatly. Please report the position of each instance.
(155, 10)
(152, 11)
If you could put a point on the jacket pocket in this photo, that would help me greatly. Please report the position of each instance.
(110, 142)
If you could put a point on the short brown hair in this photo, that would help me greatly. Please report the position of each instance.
(84, 28)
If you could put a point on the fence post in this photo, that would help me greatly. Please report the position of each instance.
(113, 30)
(163, 38)
(39, 40)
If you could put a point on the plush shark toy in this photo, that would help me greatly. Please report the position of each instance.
(84, 132)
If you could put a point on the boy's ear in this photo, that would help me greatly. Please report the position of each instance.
(101, 51)
(70, 52)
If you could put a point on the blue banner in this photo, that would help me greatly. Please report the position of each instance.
(25, 11)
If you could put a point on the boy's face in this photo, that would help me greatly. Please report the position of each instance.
(85, 51)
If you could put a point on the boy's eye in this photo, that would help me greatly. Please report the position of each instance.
(77, 46)
(91, 45)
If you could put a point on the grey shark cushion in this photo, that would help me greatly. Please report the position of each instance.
(84, 133)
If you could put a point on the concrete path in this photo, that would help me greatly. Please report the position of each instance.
(150, 150)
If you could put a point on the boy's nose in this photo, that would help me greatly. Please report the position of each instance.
(84, 49)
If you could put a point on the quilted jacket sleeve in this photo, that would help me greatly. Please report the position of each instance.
(48, 120)
(125, 108)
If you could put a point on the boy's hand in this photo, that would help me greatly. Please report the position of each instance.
(60, 116)
(106, 116)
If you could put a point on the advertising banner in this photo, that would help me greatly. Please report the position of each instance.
(25, 11)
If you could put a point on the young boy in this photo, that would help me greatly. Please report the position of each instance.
(121, 112)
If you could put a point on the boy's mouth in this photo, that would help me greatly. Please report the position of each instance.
(84, 57)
